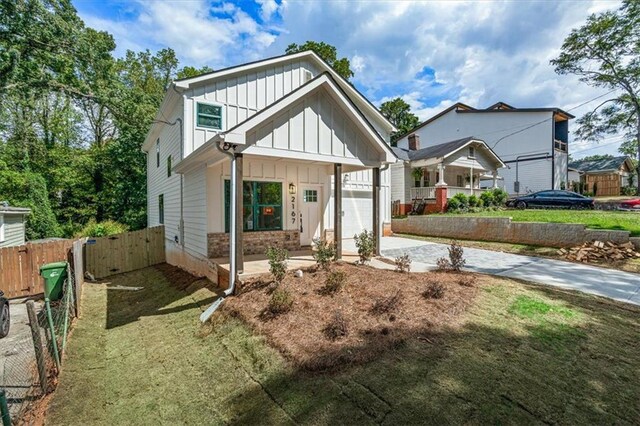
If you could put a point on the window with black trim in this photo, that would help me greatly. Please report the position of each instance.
(209, 116)
(161, 209)
(169, 166)
(262, 205)
(158, 152)
(310, 196)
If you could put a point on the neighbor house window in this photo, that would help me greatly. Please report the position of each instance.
(209, 116)
(169, 166)
(262, 205)
(158, 152)
(472, 152)
(459, 181)
(1, 228)
(161, 209)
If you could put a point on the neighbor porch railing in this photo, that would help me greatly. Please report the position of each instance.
(429, 192)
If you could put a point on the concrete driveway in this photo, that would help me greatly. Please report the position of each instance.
(617, 285)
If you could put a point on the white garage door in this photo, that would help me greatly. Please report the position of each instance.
(357, 207)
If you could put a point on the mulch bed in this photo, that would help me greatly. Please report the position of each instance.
(381, 310)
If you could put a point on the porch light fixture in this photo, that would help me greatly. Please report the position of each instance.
(292, 188)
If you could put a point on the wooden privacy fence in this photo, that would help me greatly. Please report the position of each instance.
(607, 184)
(125, 252)
(20, 266)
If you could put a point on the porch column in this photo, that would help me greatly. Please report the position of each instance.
(441, 181)
(471, 178)
(239, 215)
(337, 209)
(376, 210)
(495, 178)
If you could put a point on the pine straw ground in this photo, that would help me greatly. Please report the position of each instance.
(382, 309)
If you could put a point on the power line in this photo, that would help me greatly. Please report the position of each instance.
(549, 119)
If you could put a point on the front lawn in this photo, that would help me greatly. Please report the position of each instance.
(518, 354)
(595, 219)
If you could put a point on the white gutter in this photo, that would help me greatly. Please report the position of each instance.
(232, 234)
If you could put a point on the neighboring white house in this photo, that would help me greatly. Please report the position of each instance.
(291, 127)
(459, 165)
(12, 225)
(532, 142)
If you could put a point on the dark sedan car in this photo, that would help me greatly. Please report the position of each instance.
(552, 199)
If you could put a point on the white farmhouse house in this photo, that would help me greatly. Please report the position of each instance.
(286, 143)
(532, 142)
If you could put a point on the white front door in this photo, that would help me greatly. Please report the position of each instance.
(310, 214)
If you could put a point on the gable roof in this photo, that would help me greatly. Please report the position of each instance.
(496, 108)
(5, 208)
(237, 134)
(309, 54)
(444, 150)
(603, 165)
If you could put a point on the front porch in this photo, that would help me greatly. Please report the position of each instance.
(457, 179)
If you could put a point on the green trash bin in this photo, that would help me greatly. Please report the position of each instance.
(54, 275)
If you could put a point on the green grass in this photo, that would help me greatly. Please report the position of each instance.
(525, 354)
(595, 219)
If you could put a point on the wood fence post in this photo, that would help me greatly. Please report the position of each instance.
(37, 344)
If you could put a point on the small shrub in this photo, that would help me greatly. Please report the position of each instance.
(364, 242)
(467, 280)
(434, 290)
(403, 263)
(281, 302)
(387, 304)
(334, 282)
(487, 198)
(102, 229)
(474, 201)
(453, 205)
(462, 199)
(456, 259)
(277, 262)
(325, 253)
(500, 196)
(337, 327)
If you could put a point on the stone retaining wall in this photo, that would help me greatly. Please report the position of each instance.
(502, 229)
(254, 242)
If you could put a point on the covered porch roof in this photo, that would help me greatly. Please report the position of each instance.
(448, 151)
(316, 122)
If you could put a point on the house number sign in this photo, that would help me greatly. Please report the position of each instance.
(293, 209)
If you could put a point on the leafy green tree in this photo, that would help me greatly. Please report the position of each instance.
(327, 52)
(605, 52)
(189, 71)
(28, 189)
(399, 113)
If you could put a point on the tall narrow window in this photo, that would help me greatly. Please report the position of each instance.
(472, 152)
(169, 166)
(158, 152)
(161, 209)
(209, 116)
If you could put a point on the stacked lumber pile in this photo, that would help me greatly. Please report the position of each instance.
(598, 251)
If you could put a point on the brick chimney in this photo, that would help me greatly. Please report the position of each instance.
(414, 142)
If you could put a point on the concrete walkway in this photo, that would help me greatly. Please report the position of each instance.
(611, 283)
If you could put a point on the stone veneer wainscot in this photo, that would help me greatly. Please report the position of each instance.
(254, 242)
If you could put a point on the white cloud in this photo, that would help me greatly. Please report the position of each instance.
(478, 52)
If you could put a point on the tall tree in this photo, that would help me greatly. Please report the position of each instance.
(327, 52)
(399, 113)
(605, 52)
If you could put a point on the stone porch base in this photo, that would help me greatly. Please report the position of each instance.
(254, 242)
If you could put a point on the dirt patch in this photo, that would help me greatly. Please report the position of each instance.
(381, 310)
(181, 279)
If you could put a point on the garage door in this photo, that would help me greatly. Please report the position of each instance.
(357, 207)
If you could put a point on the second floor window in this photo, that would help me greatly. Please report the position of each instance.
(169, 166)
(158, 152)
(209, 116)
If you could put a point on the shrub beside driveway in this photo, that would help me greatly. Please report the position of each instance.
(525, 354)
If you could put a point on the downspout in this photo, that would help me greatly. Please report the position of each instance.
(184, 103)
(232, 233)
(553, 151)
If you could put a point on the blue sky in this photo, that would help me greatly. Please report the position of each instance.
(431, 53)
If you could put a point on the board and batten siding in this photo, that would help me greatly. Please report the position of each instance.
(315, 125)
(158, 182)
(14, 229)
(241, 96)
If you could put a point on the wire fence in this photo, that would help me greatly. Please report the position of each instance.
(32, 352)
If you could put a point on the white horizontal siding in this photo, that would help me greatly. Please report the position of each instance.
(195, 211)
(14, 230)
(158, 182)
